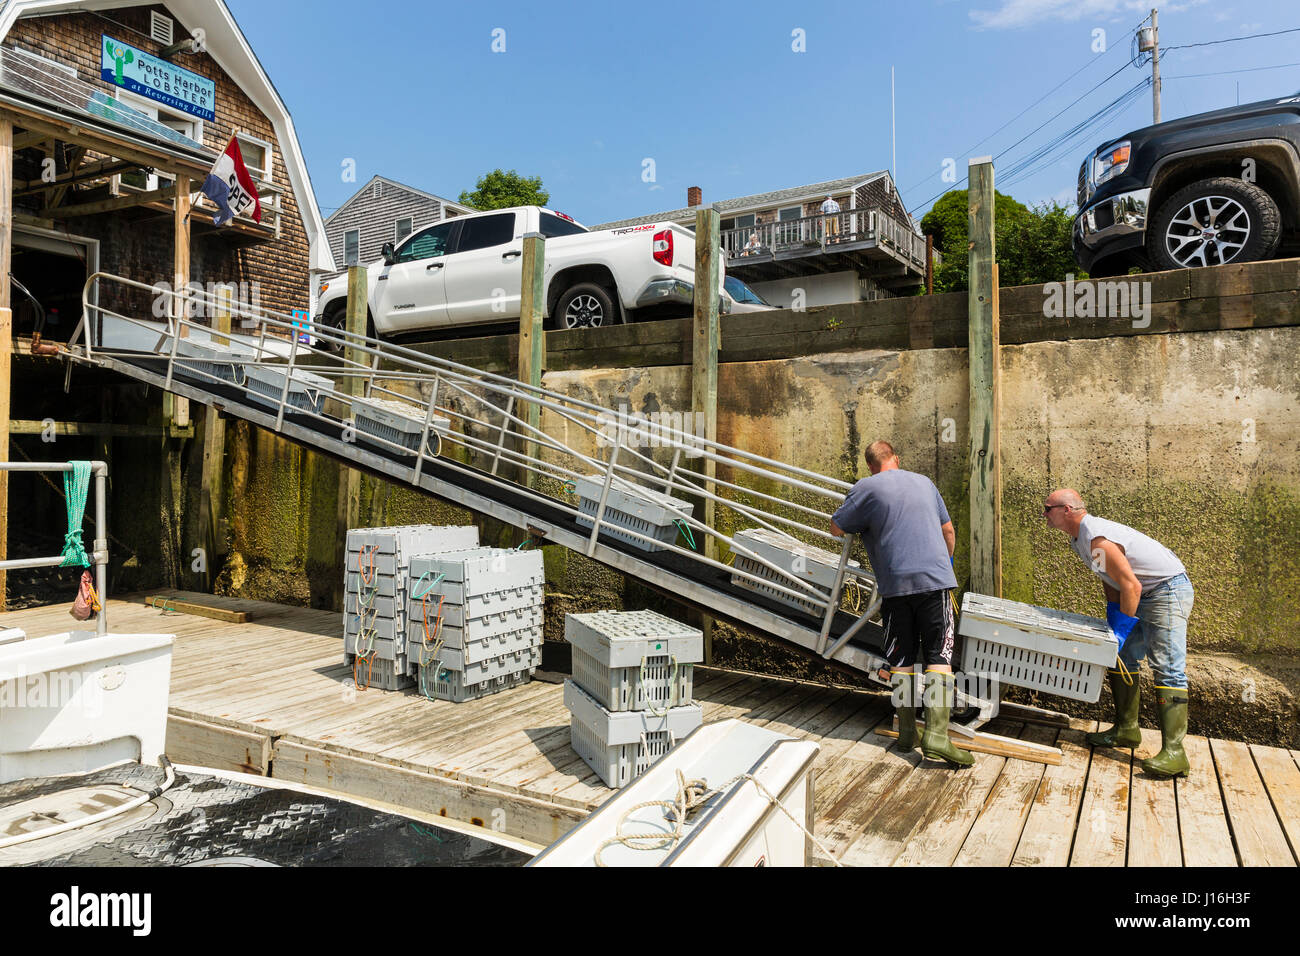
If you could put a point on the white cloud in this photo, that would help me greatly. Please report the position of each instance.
(1015, 14)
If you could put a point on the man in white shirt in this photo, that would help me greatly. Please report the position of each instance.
(1148, 601)
(831, 209)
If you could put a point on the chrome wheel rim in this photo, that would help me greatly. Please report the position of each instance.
(1208, 231)
(584, 312)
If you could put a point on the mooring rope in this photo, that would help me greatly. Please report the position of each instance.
(76, 486)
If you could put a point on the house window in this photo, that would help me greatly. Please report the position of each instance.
(257, 156)
(745, 221)
(401, 229)
(352, 247)
(790, 212)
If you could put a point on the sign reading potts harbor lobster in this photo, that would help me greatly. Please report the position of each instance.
(146, 75)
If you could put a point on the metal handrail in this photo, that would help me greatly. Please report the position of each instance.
(489, 414)
(99, 549)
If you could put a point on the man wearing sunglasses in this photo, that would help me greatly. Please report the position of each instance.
(1148, 601)
(909, 538)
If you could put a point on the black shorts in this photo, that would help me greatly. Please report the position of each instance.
(918, 625)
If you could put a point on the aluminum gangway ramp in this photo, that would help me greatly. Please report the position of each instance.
(630, 495)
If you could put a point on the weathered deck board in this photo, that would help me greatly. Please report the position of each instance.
(1102, 836)
(1202, 818)
(273, 695)
(995, 834)
(1152, 806)
(1282, 779)
(1255, 828)
(1048, 834)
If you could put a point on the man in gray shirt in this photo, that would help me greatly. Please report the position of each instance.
(1148, 601)
(910, 541)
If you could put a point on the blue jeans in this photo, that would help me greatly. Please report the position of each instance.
(1161, 632)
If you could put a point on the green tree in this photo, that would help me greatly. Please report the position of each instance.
(1033, 243)
(499, 190)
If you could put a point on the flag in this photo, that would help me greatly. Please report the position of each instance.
(231, 188)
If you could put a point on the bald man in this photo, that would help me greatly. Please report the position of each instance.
(1148, 601)
(909, 538)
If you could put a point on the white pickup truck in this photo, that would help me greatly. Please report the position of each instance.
(468, 270)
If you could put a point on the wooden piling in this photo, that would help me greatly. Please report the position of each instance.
(532, 333)
(985, 387)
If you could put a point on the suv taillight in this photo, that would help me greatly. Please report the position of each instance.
(662, 247)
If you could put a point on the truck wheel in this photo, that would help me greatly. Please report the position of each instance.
(586, 306)
(1212, 222)
(335, 319)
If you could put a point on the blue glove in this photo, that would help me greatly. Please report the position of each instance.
(1121, 624)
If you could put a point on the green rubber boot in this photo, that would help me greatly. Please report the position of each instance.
(940, 692)
(904, 696)
(1172, 759)
(1125, 733)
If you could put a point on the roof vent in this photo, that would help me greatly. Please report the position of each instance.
(160, 27)
(379, 190)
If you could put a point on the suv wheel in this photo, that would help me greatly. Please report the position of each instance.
(586, 306)
(1213, 222)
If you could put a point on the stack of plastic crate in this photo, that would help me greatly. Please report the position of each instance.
(475, 621)
(630, 698)
(375, 595)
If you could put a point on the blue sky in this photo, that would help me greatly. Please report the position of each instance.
(717, 97)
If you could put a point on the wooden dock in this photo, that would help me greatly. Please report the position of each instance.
(271, 697)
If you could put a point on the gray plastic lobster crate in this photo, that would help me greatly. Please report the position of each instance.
(479, 607)
(620, 746)
(408, 541)
(631, 508)
(382, 674)
(634, 660)
(803, 561)
(457, 656)
(395, 421)
(1053, 651)
(307, 390)
(455, 629)
(449, 685)
(212, 361)
(479, 572)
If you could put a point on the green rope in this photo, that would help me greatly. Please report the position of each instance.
(685, 529)
(76, 485)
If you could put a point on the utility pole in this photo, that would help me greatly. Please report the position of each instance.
(1155, 66)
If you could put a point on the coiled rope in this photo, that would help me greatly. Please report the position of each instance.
(691, 795)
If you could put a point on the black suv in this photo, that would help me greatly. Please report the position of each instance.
(1204, 190)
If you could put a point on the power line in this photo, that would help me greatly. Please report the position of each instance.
(968, 150)
(1251, 69)
(1252, 36)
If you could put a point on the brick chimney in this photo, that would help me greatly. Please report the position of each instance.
(694, 196)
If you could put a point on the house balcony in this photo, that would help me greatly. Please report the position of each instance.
(868, 241)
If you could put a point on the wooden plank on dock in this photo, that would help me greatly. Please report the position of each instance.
(1202, 818)
(1049, 829)
(1255, 828)
(1102, 835)
(995, 834)
(870, 785)
(206, 744)
(198, 610)
(519, 816)
(1282, 779)
(1153, 834)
